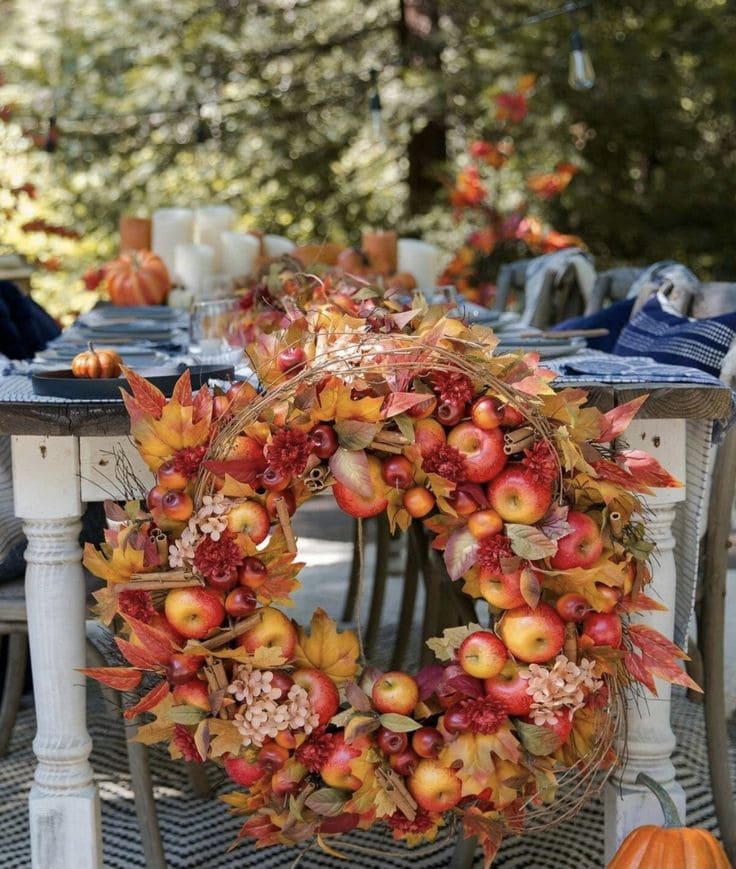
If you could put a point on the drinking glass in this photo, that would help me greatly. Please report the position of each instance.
(213, 323)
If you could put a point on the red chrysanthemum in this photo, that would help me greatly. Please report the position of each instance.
(485, 715)
(217, 557)
(492, 550)
(288, 452)
(541, 462)
(187, 461)
(402, 826)
(315, 750)
(452, 386)
(137, 605)
(446, 461)
(184, 741)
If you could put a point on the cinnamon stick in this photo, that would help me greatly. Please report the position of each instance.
(214, 671)
(283, 513)
(392, 783)
(232, 633)
(617, 523)
(386, 447)
(159, 581)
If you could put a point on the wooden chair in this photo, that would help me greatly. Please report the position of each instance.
(611, 286)
(559, 299)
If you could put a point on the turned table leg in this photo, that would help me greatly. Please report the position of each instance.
(649, 738)
(63, 803)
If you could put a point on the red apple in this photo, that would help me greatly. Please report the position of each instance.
(482, 450)
(581, 547)
(155, 496)
(397, 472)
(321, 690)
(435, 788)
(283, 683)
(283, 782)
(273, 756)
(252, 572)
(484, 523)
(427, 741)
(240, 602)
(182, 668)
(274, 631)
(194, 692)
(604, 629)
(487, 412)
(395, 692)
(405, 762)
(572, 607)
(336, 770)
(423, 409)
(509, 689)
(391, 742)
(418, 501)
(450, 412)
(274, 479)
(502, 590)
(455, 720)
(291, 360)
(177, 506)
(247, 449)
(223, 582)
(194, 612)
(482, 654)
(429, 436)
(242, 771)
(251, 518)
(518, 497)
(363, 506)
(170, 478)
(512, 418)
(610, 595)
(532, 635)
(324, 440)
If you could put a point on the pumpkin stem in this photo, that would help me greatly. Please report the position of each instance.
(669, 809)
(91, 348)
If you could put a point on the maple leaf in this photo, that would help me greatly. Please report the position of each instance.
(659, 657)
(117, 678)
(647, 470)
(225, 738)
(325, 648)
(161, 729)
(117, 563)
(336, 402)
(478, 755)
(487, 828)
(616, 421)
(582, 580)
(106, 607)
(444, 647)
(149, 700)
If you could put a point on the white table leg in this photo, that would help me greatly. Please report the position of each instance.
(63, 803)
(650, 740)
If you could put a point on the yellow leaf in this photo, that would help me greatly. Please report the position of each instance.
(158, 439)
(161, 729)
(326, 649)
(119, 565)
(583, 580)
(224, 738)
(486, 759)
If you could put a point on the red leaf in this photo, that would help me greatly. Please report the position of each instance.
(616, 421)
(183, 389)
(148, 701)
(242, 470)
(136, 656)
(640, 603)
(202, 405)
(487, 830)
(635, 667)
(147, 398)
(660, 656)
(155, 642)
(647, 470)
(118, 678)
(398, 402)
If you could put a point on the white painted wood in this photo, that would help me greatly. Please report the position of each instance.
(63, 804)
(99, 476)
(649, 738)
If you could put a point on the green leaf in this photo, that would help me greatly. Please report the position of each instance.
(186, 714)
(529, 542)
(355, 434)
(328, 802)
(406, 426)
(351, 468)
(398, 723)
(537, 740)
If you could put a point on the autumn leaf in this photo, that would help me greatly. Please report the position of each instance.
(359, 726)
(477, 755)
(554, 524)
(398, 723)
(647, 470)
(328, 802)
(155, 642)
(225, 738)
(149, 700)
(487, 829)
(116, 564)
(537, 740)
(529, 542)
(136, 656)
(659, 657)
(444, 647)
(461, 552)
(326, 649)
(530, 587)
(616, 421)
(161, 729)
(117, 678)
(354, 434)
(239, 470)
(351, 468)
(399, 402)
(582, 580)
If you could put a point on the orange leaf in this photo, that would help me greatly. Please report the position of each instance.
(487, 830)
(616, 421)
(398, 402)
(155, 642)
(241, 470)
(149, 700)
(647, 470)
(136, 656)
(660, 656)
(146, 398)
(183, 389)
(118, 678)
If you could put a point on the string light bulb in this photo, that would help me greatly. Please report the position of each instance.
(581, 75)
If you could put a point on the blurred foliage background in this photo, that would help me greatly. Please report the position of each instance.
(263, 104)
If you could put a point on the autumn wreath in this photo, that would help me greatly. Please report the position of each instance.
(526, 491)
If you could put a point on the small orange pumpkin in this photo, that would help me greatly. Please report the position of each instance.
(137, 278)
(95, 364)
(670, 847)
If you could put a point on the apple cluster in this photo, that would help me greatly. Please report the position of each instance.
(509, 480)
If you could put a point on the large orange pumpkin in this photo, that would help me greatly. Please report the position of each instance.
(137, 278)
(670, 847)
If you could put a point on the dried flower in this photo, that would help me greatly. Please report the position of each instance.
(446, 461)
(559, 689)
(184, 741)
(484, 715)
(492, 550)
(187, 461)
(541, 461)
(137, 605)
(217, 556)
(181, 551)
(313, 752)
(288, 452)
(452, 386)
(424, 827)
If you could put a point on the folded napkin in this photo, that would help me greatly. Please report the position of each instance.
(627, 369)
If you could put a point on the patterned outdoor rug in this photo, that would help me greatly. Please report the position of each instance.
(197, 832)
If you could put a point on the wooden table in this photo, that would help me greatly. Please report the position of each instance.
(62, 459)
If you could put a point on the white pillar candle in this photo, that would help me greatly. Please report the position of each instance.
(209, 224)
(277, 245)
(193, 263)
(420, 259)
(240, 251)
(171, 226)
